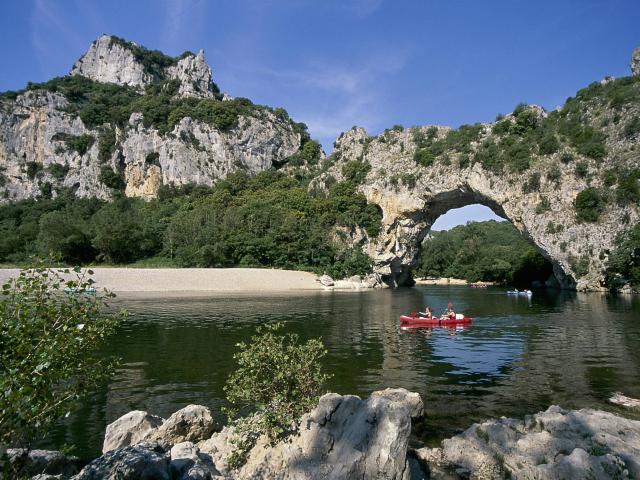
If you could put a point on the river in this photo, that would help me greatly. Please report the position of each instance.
(517, 357)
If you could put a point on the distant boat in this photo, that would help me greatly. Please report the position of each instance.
(522, 293)
(85, 290)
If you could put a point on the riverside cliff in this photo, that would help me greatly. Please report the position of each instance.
(132, 120)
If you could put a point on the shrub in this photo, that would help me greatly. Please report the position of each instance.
(628, 191)
(47, 359)
(278, 378)
(543, 205)
(532, 184)
(355, 171)
(110, 178)
(79, 143)
(554, 174)
(589, 204)
(33, 168)
(632, 128)
(424, 157)
(106, 144)
(623, 265)
(566, 157)
(58, 171)
(582, 169)
(548, 144)
(580, 266)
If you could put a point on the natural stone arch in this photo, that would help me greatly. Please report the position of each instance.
(412, 197)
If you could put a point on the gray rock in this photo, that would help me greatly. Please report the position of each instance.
(326, 280)
(187, 463)
(343, 437)
(620, 399)
(549, 445)
(145, 461)
(36, 462)
(129, 429)
(635, 62)
(193, 423)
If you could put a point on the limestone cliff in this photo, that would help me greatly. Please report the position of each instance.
(531, 167)
(133, 119)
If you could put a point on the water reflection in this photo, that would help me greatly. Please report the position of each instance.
(518, 356)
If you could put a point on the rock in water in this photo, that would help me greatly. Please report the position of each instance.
(344, 437)
(145, 461)
(549, 445)
(193, 423)
(129, 429)
(635, 62)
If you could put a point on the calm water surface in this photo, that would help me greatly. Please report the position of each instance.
(519, 356)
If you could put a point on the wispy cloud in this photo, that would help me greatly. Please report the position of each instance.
(362, 8)
(182, 17)
(50, 33)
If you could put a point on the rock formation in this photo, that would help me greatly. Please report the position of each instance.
(343, 437)
(635, 62)
(548, 445)
(46, 146)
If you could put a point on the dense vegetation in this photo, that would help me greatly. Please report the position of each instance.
(269, 220)
(48, 344)
(487, 251)
(624, 261)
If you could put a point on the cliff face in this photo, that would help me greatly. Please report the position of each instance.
(49, 139)
(568, 180)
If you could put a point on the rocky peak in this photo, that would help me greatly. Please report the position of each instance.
(635, 62)
(111, 59)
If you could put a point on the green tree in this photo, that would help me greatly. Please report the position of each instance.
(48, 345)
(277, 380)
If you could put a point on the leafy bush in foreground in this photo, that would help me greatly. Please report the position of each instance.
(48, 345)
(277, 380)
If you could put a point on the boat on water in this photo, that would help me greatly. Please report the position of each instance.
(85, 290)
(523, 293)
(415, 320)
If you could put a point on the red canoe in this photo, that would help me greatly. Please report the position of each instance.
(410, 320)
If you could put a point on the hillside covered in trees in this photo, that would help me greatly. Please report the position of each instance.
(488, 251)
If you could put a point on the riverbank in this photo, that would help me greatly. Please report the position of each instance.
(196, 279)
(448, 281)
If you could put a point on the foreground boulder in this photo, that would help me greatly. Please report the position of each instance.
(193, 423)
(343, 437)
(41, 462)
(554, 444)
(145, 461)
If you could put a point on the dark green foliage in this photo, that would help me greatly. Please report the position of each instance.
(424, 157)
(269, 220)
(532, 184)
(110, 178)
(106, 144)
(628, 191)
(464, 161)
(279, 378)
(48, 357)
(580, 266)
(79, 143)
(543, 205)
(632, 128)
(554, 174)
(609, 178)
(566, 157)
(33, 168)
(58, 171)
(309, 154)
(624, 261)
(408, 179)
(355, 171)
(589, 204)
(489, 156)
(152, 158)
(582, 169)
(548, 144)
(489, 251)
(518, 156)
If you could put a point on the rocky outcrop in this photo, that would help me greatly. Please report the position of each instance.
(111, 59)
(344, 437)
(38, 129)
(26, 463)
(193, 423)
(549, 445)
(539, 200)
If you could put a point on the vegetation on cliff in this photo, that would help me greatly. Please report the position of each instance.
(488, 251)
(623, 267)
(269, 220)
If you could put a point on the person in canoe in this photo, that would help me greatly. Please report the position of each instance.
(449, 313)
(428, 313)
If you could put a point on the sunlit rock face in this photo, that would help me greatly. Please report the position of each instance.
(412, 197)
(635, 62)
(35, 124)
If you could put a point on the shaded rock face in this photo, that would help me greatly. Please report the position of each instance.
(111, 60)
(410, 207)
(42, 462)
(35, 125)
(145, 461)
(549, 445)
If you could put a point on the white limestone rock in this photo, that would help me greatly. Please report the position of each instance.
(130, 429)
(635, 62)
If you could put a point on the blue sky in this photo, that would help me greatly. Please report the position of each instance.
(337, 63)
